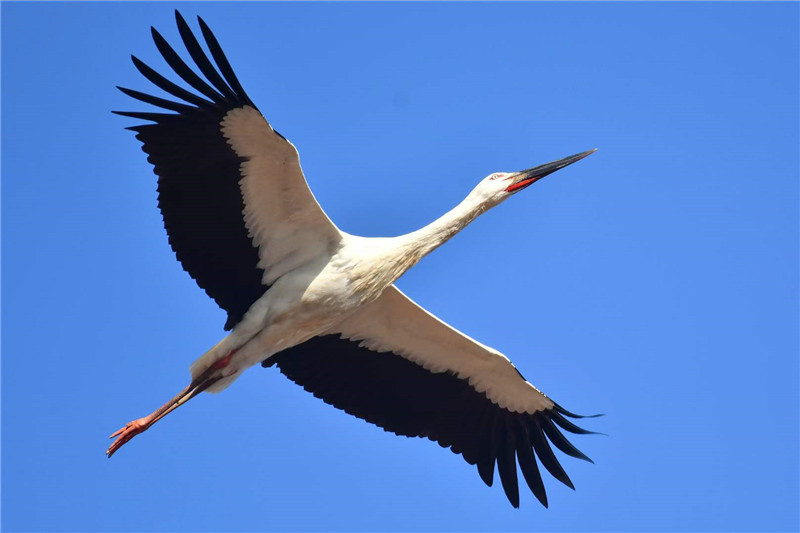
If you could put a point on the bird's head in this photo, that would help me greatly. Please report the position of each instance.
(498, 186)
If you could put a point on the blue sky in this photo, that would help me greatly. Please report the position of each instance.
(656, 281)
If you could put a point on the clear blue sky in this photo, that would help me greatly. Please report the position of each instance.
(656, 281)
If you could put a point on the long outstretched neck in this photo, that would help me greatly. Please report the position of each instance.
(412, 247)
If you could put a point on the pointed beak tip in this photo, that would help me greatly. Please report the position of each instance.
(531, 175)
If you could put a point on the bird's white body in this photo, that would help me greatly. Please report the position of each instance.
(321, 304)
(310, 299)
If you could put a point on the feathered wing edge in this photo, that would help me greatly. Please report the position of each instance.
(198, 186)
(404, 398)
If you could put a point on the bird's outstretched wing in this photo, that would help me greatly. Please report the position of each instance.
(235, 203)
(395, 365)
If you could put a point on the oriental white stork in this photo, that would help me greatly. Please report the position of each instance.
(319, 303)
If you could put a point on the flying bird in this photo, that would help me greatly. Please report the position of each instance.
(318, 303)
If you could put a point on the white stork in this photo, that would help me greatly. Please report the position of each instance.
(319, 303)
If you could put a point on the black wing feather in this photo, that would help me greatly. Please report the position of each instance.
(165, 85)
(183, 70)
(222, 62)
(569, 426)
(506, 464)
(561, 442)
(404, 398)
(527, 463)
(156, 101)
(201, 60)
(487, 452)
(198, 173)
(545, 454)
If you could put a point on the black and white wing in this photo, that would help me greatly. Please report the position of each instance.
(395, 365)
(235, 203)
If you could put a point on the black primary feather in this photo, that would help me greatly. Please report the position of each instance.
(404, 398)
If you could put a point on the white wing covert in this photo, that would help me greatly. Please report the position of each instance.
(394, 323)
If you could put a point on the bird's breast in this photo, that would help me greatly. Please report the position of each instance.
(321, 293)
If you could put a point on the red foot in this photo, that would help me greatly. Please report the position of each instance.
(198, 385)
(127, 433)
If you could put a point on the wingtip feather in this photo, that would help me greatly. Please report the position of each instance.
(570, 414)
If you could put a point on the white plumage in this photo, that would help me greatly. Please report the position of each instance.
(321, 304)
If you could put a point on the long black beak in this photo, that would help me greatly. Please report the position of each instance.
(523, 178)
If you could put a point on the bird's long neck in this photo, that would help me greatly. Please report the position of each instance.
(410, 248)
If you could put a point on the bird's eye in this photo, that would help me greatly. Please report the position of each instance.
(494, 176)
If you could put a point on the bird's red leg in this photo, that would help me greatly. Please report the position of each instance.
(198, 385)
